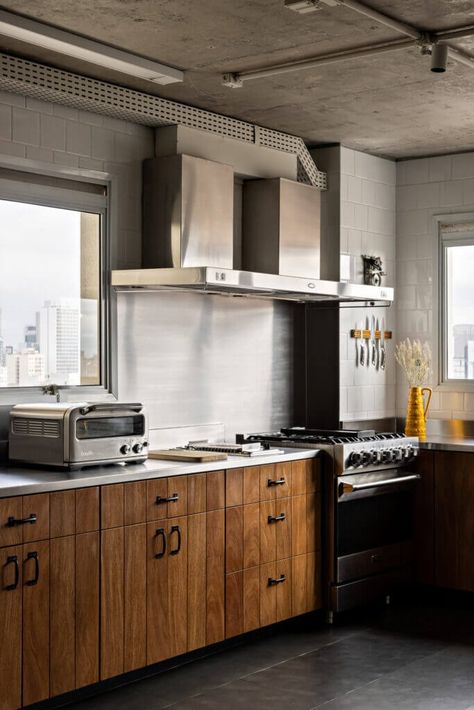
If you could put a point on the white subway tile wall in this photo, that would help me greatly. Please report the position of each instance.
(50, 133)
(368, 194)
(427, 187)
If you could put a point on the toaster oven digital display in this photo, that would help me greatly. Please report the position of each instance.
(108, 427)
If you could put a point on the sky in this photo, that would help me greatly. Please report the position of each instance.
(463, 284)
(39, 261)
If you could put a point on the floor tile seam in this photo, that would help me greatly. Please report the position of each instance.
(376, 680)
(260, 670)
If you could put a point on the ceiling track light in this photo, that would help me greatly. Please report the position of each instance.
(439, 58)
(87, 50)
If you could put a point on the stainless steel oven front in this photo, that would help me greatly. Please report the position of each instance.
(370, 530)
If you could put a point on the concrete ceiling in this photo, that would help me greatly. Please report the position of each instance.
(389, 105)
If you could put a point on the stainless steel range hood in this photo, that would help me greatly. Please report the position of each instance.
(188, 237)
(208, 279)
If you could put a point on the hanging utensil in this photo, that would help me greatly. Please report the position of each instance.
(372, 340)
(382, 346)
(362, 345)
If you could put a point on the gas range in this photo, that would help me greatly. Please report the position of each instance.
(351, 451)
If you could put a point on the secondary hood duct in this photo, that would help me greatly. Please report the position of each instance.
(188, 237)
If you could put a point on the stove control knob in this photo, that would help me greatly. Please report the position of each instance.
(397, 455)
(366, 458)
(125, 449)
(386, 455)
(355, 458)
(138, 448)
(375, 456)
(408, 453)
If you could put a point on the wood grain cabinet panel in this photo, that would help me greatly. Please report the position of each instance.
(454, 520)
(242, 534)
(242, 601)
(424, 526)
(112, 603)
(215, 576)
(275, 530)
(10, 622)
(63, 614)
(10, 508)
(135, 580)
(87, 588)
(36, 587)
(306, 584)
(87, 510)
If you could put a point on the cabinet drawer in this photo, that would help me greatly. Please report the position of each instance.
(275, 592)
(275, 481)
(167, 497)
(24, 519)
(275, 530)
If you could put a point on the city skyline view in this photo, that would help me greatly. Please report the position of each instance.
(48, 329)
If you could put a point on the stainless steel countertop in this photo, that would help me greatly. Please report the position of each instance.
(448, 443)
(16, 481)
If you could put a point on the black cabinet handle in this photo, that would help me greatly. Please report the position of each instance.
(276, 518)
(170, 499)
(30, 520)
(176, 529)
(12, 560)
(272, 581)
(160, 532)
(33, 556)
(277, 482)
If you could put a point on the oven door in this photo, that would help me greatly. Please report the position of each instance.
(374, 522)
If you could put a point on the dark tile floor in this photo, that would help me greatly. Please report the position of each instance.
(411, 656)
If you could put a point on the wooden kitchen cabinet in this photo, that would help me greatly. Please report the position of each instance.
(272, 544)
(162, 578)
(454, 520)
(49, 602)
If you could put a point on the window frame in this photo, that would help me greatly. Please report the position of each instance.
(69, 198)
(445, 240)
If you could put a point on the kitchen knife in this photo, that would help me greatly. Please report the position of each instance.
(382, 346)
(362, 345)
(372, 339)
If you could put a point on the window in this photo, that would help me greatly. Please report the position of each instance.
(52, 317)
(457, 249)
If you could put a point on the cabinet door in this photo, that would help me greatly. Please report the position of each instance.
(35, 622)
(167, 569)
(112, 602)
(242, 610)
(10, 627)
(242, 537)
(454, 522)
(305, 584)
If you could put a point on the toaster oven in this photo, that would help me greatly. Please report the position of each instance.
(76, 435)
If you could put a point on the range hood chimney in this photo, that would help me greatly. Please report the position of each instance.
(188, 237)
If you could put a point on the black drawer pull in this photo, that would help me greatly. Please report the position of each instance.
(176, 529)
(277, 482)
(33, 556)
(12, 560)
(170, 499)
(30, 520)
(272, 581)
(160, 532)
(276, 518)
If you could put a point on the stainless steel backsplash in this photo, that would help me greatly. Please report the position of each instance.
(196, 359)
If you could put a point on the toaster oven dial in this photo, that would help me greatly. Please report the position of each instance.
(125, 449)
(138, 448)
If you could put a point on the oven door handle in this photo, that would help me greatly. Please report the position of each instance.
(354, 487)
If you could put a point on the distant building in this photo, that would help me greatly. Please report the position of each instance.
(59, 341)
(463, 363)
(31, 337)
(25, 369)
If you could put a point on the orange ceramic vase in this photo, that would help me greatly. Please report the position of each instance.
(415, 424)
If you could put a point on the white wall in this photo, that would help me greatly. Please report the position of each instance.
(53, 134)
(425, 188)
